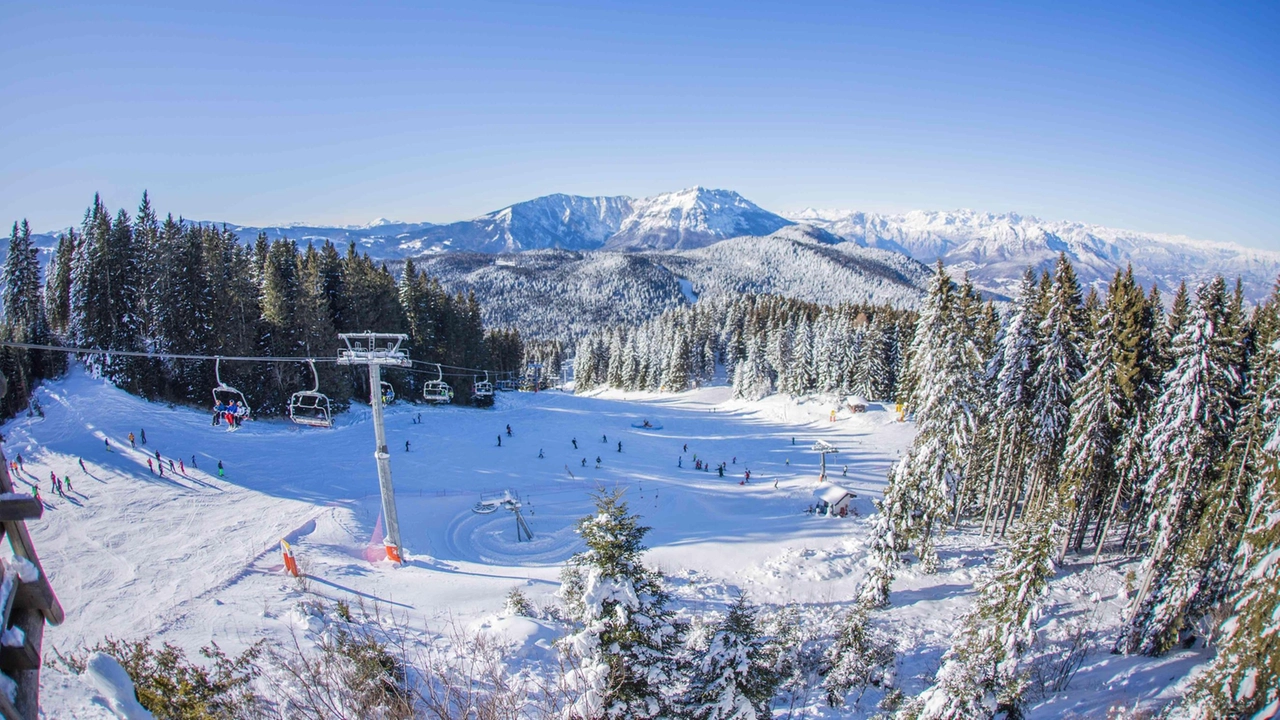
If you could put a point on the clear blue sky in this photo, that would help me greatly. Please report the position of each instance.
(1153, 116)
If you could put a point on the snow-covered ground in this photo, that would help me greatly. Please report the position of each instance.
(194, 557)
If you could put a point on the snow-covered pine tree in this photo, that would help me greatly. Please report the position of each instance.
(22, 294)
(1194, 419)
(1059, 363)
(1088, 465)
(944, 400)
(1011, 369)
(750, 379)
(882, 556)
(679, 369)
(625, 637)
(57, 294)
(1243, 680)
(982, 672)
(732, 678)
(860, 657)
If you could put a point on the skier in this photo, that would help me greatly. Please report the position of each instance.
(793, 441)
(220, 473)
(747, 475)
(735, 459)
(845, 472)
(406, 446)
(67, 482)
(144, 436)
(686, 447)
(35, 490)
(131, 444)
(182, 468)
(604, 438)
(499, 439)
(680, 461)
(53, 479)
(788, 462)
(108, 442)
(150, 467)
(160, 466)
(598, 461)
(575, 443)
(171, 468)
(82, 468)
(540, 455)
(508, 431)
(619, 446)
(720, 470)
(218, 411)
(157, 456)
(193, 462)
(584, 462)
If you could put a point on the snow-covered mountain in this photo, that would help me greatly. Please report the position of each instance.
(692, 218)
(995, 249)
(678, 220)
(561, 293)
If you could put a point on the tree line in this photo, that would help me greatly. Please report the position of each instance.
(1083, 426)
(142, 284)
(763, 343)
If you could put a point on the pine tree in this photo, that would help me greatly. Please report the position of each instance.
(58, 284)
(859, 657)
(882, 557)
(1059, 363)
(625, 635)
(732, 678)
(1194, 420)
(982, 672)
(23, 304)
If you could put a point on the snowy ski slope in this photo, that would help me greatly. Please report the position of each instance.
(193, 557)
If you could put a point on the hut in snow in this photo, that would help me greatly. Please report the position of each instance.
(834, 500)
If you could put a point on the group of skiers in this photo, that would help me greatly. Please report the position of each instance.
(233, 413)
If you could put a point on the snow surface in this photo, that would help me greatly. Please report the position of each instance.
(191, 558)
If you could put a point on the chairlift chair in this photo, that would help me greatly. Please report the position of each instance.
(482, 390)
(311, 407)
(388, 393)
(437, 391)
(224, 394)
(507, 385)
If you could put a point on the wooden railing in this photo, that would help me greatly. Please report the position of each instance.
(28, 605)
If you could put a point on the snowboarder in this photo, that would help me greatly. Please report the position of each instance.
(619, 446)
(499, 439)
(508, 431)
(220, 473)
(131, 444)
(144, 436)
(406, 446)
(540, 455)
(575, 443)
(150, 467)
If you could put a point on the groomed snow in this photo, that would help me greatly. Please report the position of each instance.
(191, 558)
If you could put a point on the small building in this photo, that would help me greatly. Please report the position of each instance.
(856, 403)
(834, 500)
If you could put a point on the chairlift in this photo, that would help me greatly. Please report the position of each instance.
(311, 407)
(388, 393)
(482, 390)
(437, 391)
(226, 396)
(507, 385)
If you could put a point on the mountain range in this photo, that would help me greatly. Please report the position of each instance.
(993, 248)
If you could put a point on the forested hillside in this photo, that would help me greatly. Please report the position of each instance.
(142, 284)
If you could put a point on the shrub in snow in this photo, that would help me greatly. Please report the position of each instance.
(170, 686)
(625, 639)
(733, 678)
(982, 671)
(518, 604)
(859, 657)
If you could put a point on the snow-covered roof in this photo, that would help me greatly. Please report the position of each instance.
(823, 446)
(832, 494)
(856, 400)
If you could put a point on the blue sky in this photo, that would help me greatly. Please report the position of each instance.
(1152, 116)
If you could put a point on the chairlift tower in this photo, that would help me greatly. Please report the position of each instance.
(823, 448)
(377, 350)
